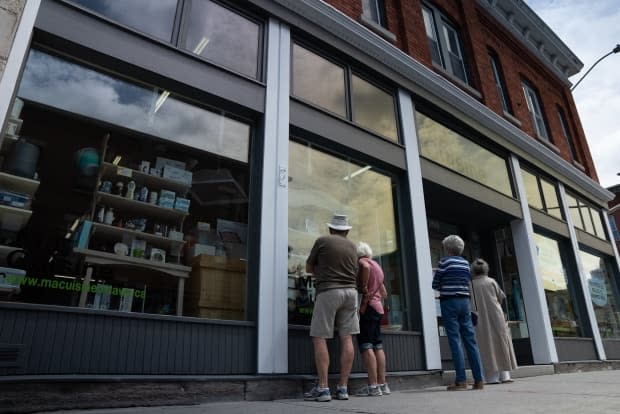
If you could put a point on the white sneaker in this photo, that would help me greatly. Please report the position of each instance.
(385, 389)
(369, 391)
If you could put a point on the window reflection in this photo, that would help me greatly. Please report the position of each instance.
(222, 36)
(321, 184)
(604, 294)
(318, 81)
(551, 198)
(598, 223)
(459, 154)
(531, 189)
(373, 108)
(560, 301)
(573, 207)
(152, 17)
(97, 95)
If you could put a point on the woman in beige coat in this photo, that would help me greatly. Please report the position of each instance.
(494, 341)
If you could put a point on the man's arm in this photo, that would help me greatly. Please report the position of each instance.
(383, 291)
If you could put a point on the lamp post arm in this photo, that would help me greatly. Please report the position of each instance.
(615, 50)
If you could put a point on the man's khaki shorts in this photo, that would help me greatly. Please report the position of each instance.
(335, 308)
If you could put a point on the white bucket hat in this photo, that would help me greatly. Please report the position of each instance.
(339, 222)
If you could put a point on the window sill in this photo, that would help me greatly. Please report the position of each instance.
(512, 119)
(548, 145)
(377, 28)
(579, 166)
(462, 85)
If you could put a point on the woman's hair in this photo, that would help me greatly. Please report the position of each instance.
(453, 245)
(479, 267)
(363, 249)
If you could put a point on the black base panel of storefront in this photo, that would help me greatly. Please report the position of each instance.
(575, 349)
(404, 352)
(55, 340)
(612, 348)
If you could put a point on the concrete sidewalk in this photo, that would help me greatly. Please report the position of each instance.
(579, 393)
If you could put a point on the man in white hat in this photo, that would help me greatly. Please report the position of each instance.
(333, 262)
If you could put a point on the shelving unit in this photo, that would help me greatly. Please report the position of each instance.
(13, 218)
(139, 207)
(117, 233)
(151, 181)
(18, 184)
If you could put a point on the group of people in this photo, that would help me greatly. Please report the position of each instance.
(342, 270)
(462, 288)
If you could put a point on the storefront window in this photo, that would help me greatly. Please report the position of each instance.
(541, 194)
(586, 217)
(531, 189)
(559, 292)
(320, 185)
(573, 208)
(221, 35)
(373, 108)
(121, 197)
(552, 203)
(604, 294)
(155, 18)
(445, 147)
(318, 81)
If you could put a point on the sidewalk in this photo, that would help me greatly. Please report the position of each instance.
(579, 393)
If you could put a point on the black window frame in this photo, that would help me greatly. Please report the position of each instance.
(440, 22)
(500, 82)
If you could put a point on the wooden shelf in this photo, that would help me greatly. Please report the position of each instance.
(105, 258)
(13, 218)
(18, 184)
(118, 232)
(152, 182)
(139, 208)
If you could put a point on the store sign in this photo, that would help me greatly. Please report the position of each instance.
(598, 290)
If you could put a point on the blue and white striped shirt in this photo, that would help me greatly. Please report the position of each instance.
(452, 277)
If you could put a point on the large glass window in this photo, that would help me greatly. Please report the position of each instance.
(155, 18)
(320, 185)
(450, 149)
(205, 28)
(122, 197)
(586, 217)
(561, 300)
(325, 84)
(444, 42)
(541, 194)
(221, 35)
(603, 292)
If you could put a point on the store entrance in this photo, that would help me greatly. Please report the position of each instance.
(486, 232)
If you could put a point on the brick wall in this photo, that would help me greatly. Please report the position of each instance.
(10, 13)
(479, 31)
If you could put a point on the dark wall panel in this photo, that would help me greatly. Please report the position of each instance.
(575, 349)
(56, 340)
(612, 348)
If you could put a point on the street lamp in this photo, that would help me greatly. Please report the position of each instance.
(615, 50)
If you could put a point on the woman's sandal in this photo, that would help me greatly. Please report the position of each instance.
(508, 381)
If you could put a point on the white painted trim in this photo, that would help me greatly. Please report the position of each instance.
(16, 58)
(272, 354)
(421, 247)
(582, 276)
(538, 321)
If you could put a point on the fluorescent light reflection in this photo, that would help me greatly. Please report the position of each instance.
(356, 173)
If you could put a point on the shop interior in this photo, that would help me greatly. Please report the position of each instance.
(102, 217)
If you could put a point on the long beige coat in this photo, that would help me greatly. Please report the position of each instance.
(494, 339)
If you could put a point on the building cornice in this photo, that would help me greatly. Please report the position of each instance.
(334, 23)
(521, 21)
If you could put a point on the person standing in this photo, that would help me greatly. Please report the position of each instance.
(333, 262)
(369, 340)
(494, 340)
(452, 279)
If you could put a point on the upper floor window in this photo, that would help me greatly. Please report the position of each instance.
(541, 194)
(204, 28)
(374, 10)
(444, 42)
(338, 89)
(502, 91)
(535, 108)
(566, 133)
(585, 216)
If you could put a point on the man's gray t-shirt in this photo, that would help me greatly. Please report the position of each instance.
(334, 259)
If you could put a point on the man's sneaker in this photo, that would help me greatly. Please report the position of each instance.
(318, 394)
(369, 391)
(342, 393)
(385, 389)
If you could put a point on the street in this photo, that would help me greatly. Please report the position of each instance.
(583, 393)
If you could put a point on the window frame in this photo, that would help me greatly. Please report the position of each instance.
(566, 132)
(590, 208)
(378, 6)
(500, 82)
(537, 113)
(441, 25)
(545, 205)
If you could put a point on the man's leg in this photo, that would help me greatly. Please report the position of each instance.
(380, 357)
(370, 363)
(449, 317)
(321, 359)
(347, 354)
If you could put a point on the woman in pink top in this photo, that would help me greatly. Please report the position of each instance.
(369, 340)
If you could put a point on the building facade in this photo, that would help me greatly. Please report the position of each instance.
(167, 166)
